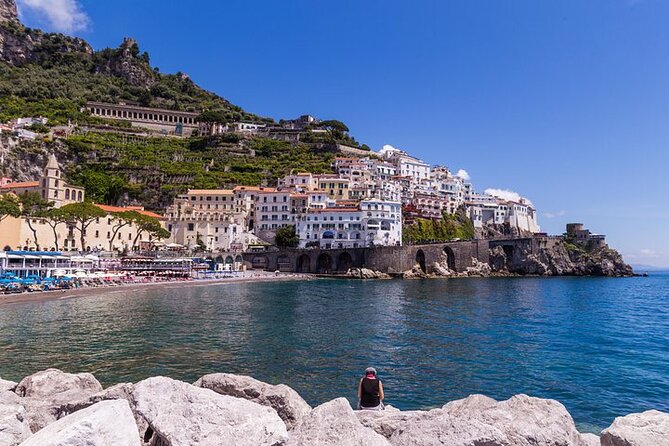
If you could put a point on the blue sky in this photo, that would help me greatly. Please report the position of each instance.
(565, 102)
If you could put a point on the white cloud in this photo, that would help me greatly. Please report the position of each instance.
(462, 173)
(506, 194)
(65, 16)
(643, 254)
(555, 214)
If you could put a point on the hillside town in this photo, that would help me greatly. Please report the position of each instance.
(366, 201)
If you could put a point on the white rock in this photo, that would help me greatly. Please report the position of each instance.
(181, 414)
(7, 386)
(334, 424)
(108, 423)
(387, 422)
(439, 428)
(14, 427)
(638, 429)
(470, 406)
(52, 382)
(590, 440)
(525, 421)
(287, 402)
(45, 392)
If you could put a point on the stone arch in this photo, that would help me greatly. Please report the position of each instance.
(344, 262)
(450, 257)
(229, 260)
(259, 262)
(420, 260)
(304, 264)
(283, 263)
(324, 264)
(509, 250)
(239, 259)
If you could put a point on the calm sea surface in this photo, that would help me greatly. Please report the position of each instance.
(600, 346)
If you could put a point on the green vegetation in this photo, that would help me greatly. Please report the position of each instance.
(64, 73)
(153, 170)
(451, 227)
(286, 237)
(34, 206)
(9, 207)
(81, 215)
(55, 75)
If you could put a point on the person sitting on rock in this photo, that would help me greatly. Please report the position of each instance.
(370, 391)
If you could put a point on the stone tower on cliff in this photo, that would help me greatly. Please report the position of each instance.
(8, 11)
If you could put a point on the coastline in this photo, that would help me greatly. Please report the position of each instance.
(46, 296)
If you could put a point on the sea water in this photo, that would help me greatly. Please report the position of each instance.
(600, 346)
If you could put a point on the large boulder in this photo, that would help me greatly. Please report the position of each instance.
(7, 386)
(14, 427)
(439, 428)
(334, 424)
(104, 424)
(121, 391)
(44, 393)
(53, 382)
(180, 414)
(288, 403)
(387, 422)
(638, 429)
(525, 421)
(590, 440)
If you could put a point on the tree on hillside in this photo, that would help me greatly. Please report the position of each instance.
(121, 220)
(33, 206)
(149, 225)
(286, 237)
(213, 117)
(9, 206)
(81, 215)
(336, 129)
(55, 217)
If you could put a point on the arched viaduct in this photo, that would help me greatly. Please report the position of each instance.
(389, 259)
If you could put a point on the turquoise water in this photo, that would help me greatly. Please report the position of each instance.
(600, 346)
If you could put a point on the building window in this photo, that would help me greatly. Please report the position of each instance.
(191, 226)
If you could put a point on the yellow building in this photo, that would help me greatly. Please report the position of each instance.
(104, 234)
(335, 186)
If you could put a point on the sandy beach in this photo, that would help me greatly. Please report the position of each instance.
(255, 276)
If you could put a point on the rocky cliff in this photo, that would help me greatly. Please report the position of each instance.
(53, 408)
(560, 258)
(8, 11)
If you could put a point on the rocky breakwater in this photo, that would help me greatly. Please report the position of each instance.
(53, 408)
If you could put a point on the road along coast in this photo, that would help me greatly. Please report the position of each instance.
(52, 408)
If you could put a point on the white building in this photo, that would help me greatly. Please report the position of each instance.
(371, 223)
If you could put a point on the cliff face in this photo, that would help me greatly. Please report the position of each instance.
(560, 259)
(126, 63)
(20, 46)
(8, 11)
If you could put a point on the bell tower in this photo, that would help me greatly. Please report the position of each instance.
(52, 184)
